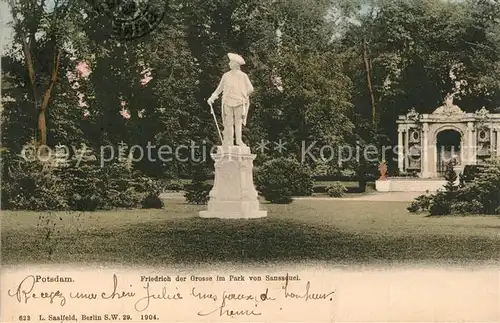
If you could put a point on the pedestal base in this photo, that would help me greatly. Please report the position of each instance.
(425, 174)
(383, 185)
(233, 215)
(408, 184)
(233, 195)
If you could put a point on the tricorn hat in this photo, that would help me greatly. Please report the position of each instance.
(236, 58)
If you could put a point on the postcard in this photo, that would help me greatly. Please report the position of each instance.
(250, 161)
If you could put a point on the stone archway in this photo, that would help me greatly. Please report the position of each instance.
(449, 143)
(469, 132)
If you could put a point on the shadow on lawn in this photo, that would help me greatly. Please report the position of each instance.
(270, 240)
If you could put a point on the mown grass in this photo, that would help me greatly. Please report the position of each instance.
(336, 231)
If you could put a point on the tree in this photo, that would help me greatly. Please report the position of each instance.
(42, 32)
(301, 93)
(450, 176)
(414, 53)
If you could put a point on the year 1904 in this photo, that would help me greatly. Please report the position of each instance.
(149, 317)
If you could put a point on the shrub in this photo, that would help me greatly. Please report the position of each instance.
(151, 191)
(420, 204)
(485, 188)
(152, 202)
(481, 195)
(442, 201)
(175, 185)
(198, 191)
(451, 177)
(33, 186)
(336, 189)
(470, 172)
(277, 193)
(280, 179)
(120, 186)
(84, 189)
(440, 204)
(467, 207)
(82, 186)
(320, 188)
(302, 181)
(112, 186)
(78, 202)
(321, 169)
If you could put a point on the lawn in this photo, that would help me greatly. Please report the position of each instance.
(336, 231)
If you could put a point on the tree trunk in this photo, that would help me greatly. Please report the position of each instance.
(362, 177)
(369, 79)
(42, 124)
(27, 42)
(31, 68)
(42, 127)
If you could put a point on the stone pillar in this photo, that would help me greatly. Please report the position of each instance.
(492, 142)
(233, 195)
(498, 142)
(472, 144)
(400, 149)
(425, 151)
(407, 147)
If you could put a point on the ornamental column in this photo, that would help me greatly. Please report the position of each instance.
(493, 142)
(498, 141)
(425, 150)
(407, 147)
(471, 143)
(400, 149)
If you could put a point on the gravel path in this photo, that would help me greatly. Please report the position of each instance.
(388, 197)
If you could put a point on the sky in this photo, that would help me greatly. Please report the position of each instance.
(5, 18)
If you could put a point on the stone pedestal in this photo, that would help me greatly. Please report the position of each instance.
(383, 185)
(407, 184)
(233, 195)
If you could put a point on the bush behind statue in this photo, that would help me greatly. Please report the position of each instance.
(198, 191)
(280, 179)
(41, 186)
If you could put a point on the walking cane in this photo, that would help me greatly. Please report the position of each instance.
(216, 123)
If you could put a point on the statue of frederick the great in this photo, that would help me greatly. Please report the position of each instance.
(233, 195)
(236, 89)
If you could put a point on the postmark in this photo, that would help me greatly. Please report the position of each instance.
(131, 19)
